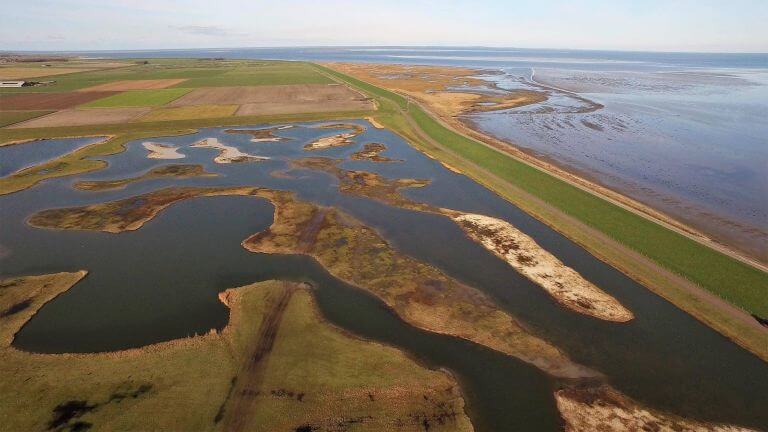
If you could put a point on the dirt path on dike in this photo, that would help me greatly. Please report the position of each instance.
(241, 403)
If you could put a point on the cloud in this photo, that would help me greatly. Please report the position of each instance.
(207, 30)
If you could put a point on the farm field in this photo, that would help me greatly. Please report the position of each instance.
(182, 90)
(138, 98)
(79, 117)
(11, 117)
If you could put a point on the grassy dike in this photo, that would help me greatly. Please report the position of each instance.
(654, 255)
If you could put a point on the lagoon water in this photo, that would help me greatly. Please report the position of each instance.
(685, 133)
(161, 282)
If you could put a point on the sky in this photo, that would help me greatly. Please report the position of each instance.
(644, 25)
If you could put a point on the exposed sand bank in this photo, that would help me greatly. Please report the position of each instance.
(605, 409)
(520, 251)
(227, 154)
(162, 151)
(339, 140)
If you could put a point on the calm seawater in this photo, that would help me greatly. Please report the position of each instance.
(682, 132)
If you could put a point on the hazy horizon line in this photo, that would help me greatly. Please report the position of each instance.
(432, 47)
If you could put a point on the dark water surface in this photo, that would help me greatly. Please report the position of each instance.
(161, 282)
(16, 157)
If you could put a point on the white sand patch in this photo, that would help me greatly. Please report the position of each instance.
(338, 140)
(605, 409)
(162, 151)
(374, 123)
(563, 283)
(227, 154)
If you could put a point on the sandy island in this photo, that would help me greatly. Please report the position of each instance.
(563, 283)
(162, 151)
(227, 154)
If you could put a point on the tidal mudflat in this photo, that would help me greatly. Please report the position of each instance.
(662, 359)
(688, 142)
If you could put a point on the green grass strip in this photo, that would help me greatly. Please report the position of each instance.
(139, 98)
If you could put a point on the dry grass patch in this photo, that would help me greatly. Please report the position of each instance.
(135, 85)
(79, 117)
(449, 91)
(190, 112)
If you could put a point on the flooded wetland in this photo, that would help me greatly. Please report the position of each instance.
(395, 248)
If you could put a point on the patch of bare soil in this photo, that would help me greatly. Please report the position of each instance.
(227, 154)
(162, 151)
(135, 85)
(43, 101)
(605, 409)
(521, 252)
(81, 117)
(372, 152)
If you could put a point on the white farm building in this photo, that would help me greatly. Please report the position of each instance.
(11, 83)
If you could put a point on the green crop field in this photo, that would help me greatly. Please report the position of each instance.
(732, 280)
(267, 74)
(139, 98)
(199, 73)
